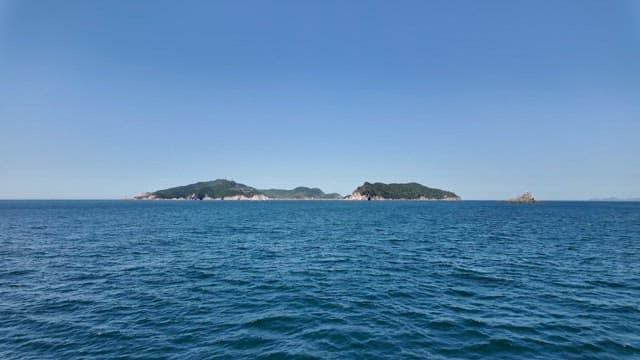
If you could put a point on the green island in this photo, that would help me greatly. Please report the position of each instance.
(216, 189)
(301, 192)
(222, 189)
(406, 191)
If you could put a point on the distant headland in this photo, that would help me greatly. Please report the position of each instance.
(408, 191)
(616, 199)
(222, 189)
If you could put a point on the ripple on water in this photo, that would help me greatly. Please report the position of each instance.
(318, 280)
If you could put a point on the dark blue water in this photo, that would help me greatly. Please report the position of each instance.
(191, 280)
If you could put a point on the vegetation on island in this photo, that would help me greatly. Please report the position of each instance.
(215, 189)
(407, 191)
(301, 192)
(220, 189)
(227, 189)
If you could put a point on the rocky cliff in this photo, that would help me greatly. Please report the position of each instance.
(524, 198)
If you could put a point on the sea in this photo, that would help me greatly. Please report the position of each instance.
(319, 280)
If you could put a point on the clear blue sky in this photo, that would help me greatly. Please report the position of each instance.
(102, 99)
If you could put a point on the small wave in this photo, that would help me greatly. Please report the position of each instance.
(18, 272)
(461, 292)
(605, 283)
(275, 323)
(495, 347)
(443, 325)
(287, 355)
(467, 274)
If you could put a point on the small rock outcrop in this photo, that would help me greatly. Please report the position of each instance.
(526, 198)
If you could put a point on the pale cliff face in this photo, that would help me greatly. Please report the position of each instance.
(145, 196)
(240, 197)
(452, 198)
(357, 196)
(243, 197)
(354, 196)
(150, 196)
(260, 197)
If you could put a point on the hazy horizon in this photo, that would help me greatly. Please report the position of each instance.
(129, 196)
(485, 99)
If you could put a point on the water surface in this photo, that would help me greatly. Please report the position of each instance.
(325, 279)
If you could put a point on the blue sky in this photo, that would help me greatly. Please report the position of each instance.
(103, 99)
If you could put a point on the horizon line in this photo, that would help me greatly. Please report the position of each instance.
(633, 199)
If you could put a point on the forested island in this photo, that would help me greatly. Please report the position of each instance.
(222, 189)
(407, 191)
